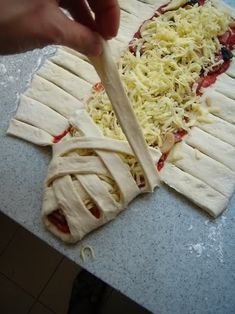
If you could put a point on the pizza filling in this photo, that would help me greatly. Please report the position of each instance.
(58, 219)
(59, 137)
(177, 137)
(170, 58)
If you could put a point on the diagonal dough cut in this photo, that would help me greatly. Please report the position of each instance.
(202, 167)
(107, 70)
(137, 8)
(231, 69)
(220, 105)
(225, 85)
(219, 128)
(44, 91)
(194, 189)
(29, 133)
(33, 112)
(65, 80)
(75, 65)
(212, 147)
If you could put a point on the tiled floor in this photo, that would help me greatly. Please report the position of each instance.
(35, 279)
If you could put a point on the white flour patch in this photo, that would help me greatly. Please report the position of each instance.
(3, 69)
(190, 228)
(197, 248)
(213, 238)
(11, 79)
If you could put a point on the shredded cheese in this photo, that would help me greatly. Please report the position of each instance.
(161, 78)
(198, 154)
(84, 252)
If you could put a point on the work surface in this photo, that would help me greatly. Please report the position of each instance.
(163, 252)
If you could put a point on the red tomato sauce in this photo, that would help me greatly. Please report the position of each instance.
(98, 87)
(161, 161)
(228, 38)
(57, 218)
(179, 135)
(178, 138)
(59, 137)
(228, 41)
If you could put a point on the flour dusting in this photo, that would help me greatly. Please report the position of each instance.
(190, 228)
(3, 69)
(212, 244)
(198, 248)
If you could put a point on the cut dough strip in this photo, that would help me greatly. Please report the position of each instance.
(226, 7)
(222, 106)
(65, 80)
(137, 8)
(75, 165)
(106, 68)
(75, 53)
(33, 112)
(231, 69)
(29, 133)
(225, 85)
(54, 97)
(129, 24)
(219, 128)
(76, 65)
(204, 168)
(194, 189)
(101, 143)
(212, 147)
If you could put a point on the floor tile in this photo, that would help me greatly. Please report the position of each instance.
(29, 262)
(13, 300)
(38, 308)
(118, 303)
(7, 229)
(56, 295)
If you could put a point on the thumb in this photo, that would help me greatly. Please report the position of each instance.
(74, 35)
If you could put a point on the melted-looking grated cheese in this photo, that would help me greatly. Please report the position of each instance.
(161, 78)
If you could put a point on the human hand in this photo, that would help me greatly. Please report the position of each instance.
(29, 24)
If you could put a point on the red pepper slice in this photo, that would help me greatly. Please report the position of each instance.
(161, 161)
(98, 87)
(179, 135)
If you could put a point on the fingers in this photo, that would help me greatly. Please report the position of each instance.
(80, 12)
(107, 16)
(75, 35)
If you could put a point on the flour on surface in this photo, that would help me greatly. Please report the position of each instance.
(3, 69)
(213, 239)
